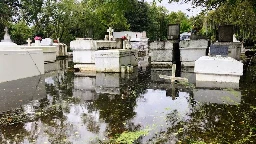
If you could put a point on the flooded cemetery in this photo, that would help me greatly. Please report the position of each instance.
(125, 89)
(127, 72)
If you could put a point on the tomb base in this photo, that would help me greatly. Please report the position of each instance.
(18, 64)
(188, 64)
(85, 67)
(112, 60)
(49, 52)
(161, 64)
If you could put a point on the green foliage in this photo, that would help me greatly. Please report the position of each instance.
(20, 32)
(180, 18)
(68, 19)
(138, 16)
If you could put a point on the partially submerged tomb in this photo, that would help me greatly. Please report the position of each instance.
(17, 63)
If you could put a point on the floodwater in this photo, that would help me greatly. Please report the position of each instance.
(61, 107)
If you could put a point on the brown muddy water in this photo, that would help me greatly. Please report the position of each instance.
(61, 107)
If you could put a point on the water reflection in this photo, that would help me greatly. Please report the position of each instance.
(96, 108)
(16, 93)
(220, 93)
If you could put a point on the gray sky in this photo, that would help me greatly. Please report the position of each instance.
(178, 6)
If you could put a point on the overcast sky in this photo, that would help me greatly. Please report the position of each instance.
(178, 6)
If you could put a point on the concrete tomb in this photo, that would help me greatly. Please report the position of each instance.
(49, 51)
(221, 65)
(191, 50)
(101, 55)
(112, 60)
(161, 53)
(17, 63)
(137, 41)
(218, 69)
(62, 49)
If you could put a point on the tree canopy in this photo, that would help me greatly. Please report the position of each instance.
(68, 19)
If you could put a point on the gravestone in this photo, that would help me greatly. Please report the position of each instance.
(47, 42)
(144, 34)
(110, 35)
(173, 32)
(7, 37)
(225, 33)
(218, 50)
(29, 42)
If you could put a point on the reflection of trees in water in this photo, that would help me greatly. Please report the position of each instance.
(212, 123)
(216, 123)
(118, 110)
(13, 134)
(92, 125)
(49, 116)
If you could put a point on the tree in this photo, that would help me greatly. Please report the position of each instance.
(180, 18)
(20, 32)
(8, 8)
(138, 16)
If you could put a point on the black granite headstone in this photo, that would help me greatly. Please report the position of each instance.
(173, 32)
(225, 33)
(218, 50)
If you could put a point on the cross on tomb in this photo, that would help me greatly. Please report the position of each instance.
(29, 42)
(129, 38)
(110, 31)
(6, 30)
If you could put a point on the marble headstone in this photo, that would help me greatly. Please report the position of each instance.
(47, 42)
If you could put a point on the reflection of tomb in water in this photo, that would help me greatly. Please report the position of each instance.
(87, 87)
(108, 83)
(112, 83)
(84, 88)
(172, 89)
(219, 93)
(191, 76)
(56, 66)
(157, 82)
(15, 94)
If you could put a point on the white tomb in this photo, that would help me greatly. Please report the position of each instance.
(112, 60)
(49, 51)
(191, 50)
(17, 63)
(84, 54)
(218, 69)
